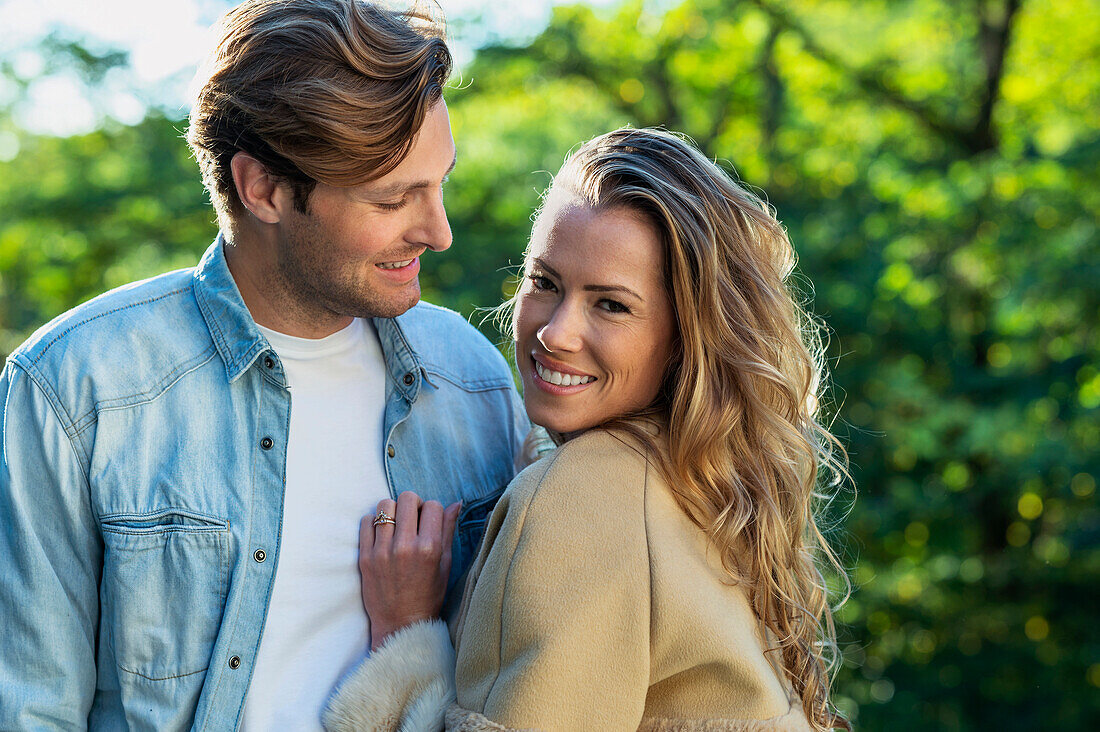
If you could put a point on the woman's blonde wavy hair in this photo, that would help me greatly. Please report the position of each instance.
(748, 459)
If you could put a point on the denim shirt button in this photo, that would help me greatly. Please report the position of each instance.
(267, 443)
(390, 451)
(259, 555)
(269, 362)
(409, 379)
(235, 662)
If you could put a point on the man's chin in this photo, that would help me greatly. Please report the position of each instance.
(392, 306)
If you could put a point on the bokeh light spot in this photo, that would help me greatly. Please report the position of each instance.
(1037, 628)
(916, 534)
(631, 91)
(971, 569)
(882, 690)
(1083, 485)
(956, 476)
(999, 355)
(1030, 506)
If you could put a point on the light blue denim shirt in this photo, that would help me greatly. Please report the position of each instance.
(141, 492)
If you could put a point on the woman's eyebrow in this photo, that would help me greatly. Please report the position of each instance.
(589, 288)
(543, 265)
(612, 288)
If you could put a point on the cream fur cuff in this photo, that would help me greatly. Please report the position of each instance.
(463, 720)
(405, 686)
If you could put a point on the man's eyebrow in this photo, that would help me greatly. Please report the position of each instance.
(401, 187)
(588, 288)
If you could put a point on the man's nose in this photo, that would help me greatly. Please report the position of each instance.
(563, 332)
(437, 229)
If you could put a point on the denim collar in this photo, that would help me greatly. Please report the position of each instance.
(240, 343)
(406, 371)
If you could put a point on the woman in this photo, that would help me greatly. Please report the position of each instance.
(661, 568)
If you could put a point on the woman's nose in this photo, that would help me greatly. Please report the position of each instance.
(563, 331)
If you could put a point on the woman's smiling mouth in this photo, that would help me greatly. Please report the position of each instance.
(559, 381)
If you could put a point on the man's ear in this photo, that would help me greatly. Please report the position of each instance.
(267, 198)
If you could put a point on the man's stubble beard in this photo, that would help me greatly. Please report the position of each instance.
(320, 287)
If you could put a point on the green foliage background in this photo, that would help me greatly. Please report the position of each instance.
(937, 166)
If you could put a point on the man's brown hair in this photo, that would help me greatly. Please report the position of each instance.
(330, 91)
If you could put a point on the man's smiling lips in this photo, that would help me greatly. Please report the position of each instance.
(400, 271)
(396, 265)
(556, 378)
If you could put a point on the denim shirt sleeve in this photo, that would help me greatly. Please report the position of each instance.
(50, 555)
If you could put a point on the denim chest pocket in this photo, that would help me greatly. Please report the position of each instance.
(165, 578)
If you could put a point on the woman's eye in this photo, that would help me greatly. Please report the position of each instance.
(540, 283)
(613, 306)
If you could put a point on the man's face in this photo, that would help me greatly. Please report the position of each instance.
(357, 252)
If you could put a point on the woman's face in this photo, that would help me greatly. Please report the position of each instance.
(594, 325)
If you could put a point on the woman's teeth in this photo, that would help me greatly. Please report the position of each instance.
(395, 265)
(560, 379)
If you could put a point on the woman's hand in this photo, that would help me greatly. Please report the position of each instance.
(405, 566)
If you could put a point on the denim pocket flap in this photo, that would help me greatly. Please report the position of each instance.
(157, 522)
(165, 580)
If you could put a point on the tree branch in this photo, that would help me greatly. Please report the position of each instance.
(993, 41)
(656, 74)
(969, 138)
(772, 108)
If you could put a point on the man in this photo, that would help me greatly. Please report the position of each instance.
(185, 460)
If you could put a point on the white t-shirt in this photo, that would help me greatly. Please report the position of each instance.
(316, 628)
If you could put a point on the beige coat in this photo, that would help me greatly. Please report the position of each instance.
(596, 604)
